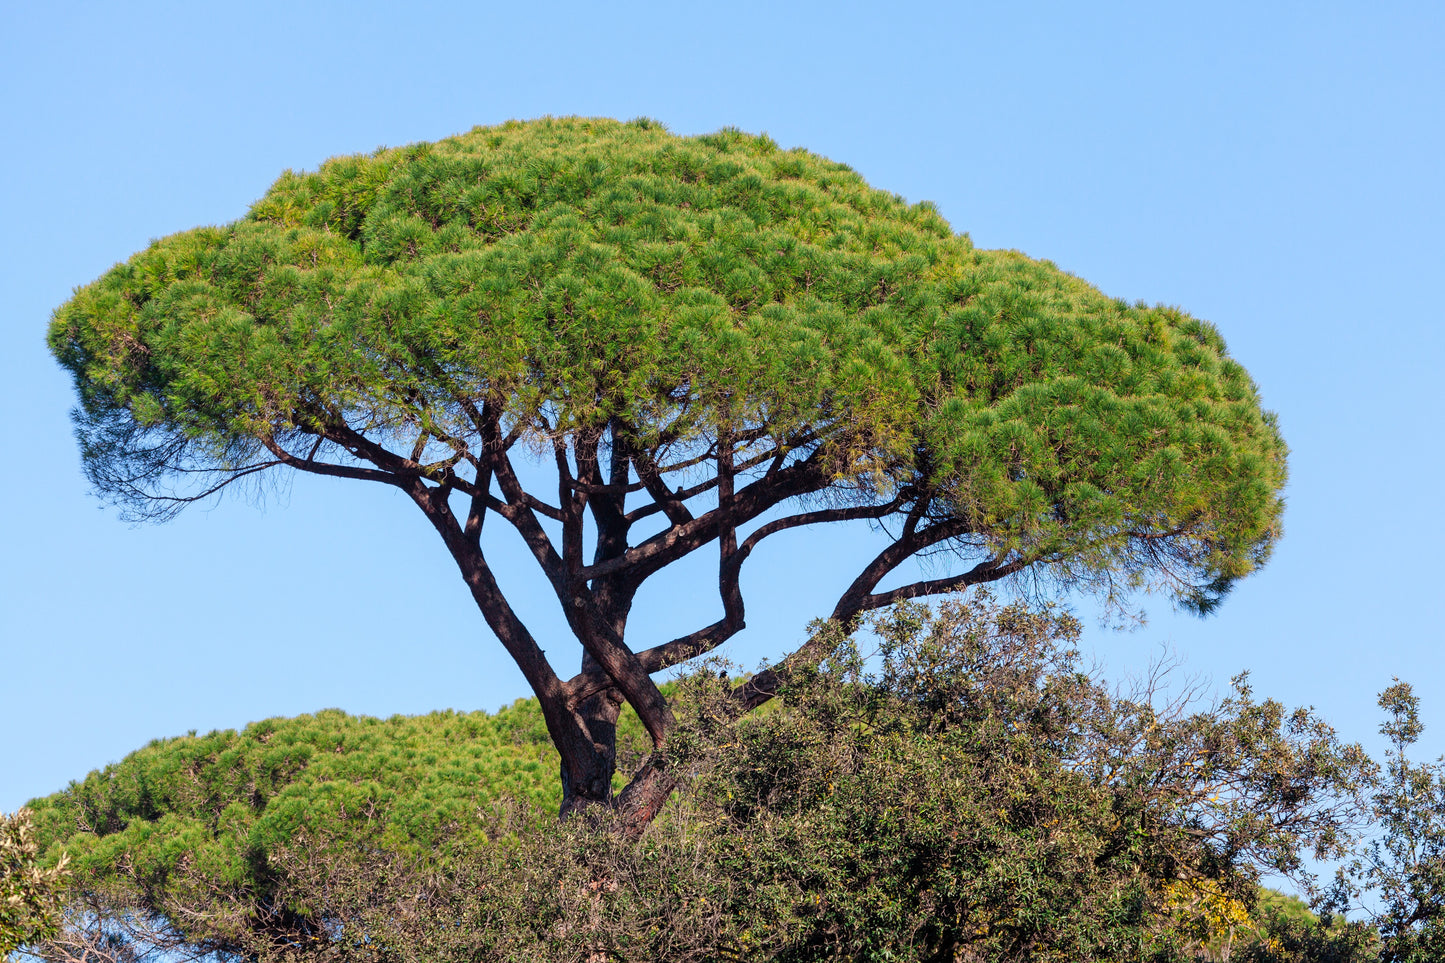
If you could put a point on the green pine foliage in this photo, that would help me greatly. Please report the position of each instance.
(592, 273)
(1274, 904)
(220, 803)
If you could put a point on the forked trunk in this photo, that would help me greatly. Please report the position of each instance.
(587, 772)
(588, 767)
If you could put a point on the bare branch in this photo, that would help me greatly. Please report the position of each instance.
(857, 513)
(750, 502)
(573, 504)
(989, 570)
(284, 457)
(665, 498)
(707, 485)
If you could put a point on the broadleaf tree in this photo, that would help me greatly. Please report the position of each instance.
(30, 893)
(707, 341)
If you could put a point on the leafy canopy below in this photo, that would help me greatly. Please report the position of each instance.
(976, 796)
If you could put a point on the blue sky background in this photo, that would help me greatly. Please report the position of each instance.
(1274, 168)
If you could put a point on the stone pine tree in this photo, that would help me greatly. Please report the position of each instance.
(708, 341)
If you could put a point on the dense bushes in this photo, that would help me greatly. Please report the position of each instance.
(963, 793)
(30, 895)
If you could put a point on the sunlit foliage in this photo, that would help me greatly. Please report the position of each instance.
(30, 893)
(967, 795)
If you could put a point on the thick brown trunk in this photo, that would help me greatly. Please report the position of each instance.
(633, 809)
(588, 766)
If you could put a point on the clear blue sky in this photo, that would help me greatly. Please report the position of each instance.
(1274, 168)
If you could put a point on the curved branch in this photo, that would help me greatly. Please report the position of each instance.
(905, 547)
(284, 457)
(236, 474)
(667, 500)
(818, 517)
(704, 640)
(989, 570)
(860, 598)
(398, 466)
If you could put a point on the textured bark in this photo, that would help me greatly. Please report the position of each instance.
(588, 766)
(639, 803)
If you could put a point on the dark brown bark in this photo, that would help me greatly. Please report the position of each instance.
(642, 799)
(595, 695)
(596, 762)
(567, 728)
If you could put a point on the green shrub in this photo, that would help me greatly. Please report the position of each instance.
(965, 793)
(30, 894)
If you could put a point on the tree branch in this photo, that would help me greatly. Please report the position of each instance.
(608, 502)
(891, 557)
(989, 570)
(683, 494)
(284, 457)
(860, 598)
(856, 513)
(562, 725)
(704, 640)
(573, 504)
(667, 546)
(580, 609)
(667, 500)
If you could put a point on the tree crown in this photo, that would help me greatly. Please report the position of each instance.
(578, 279)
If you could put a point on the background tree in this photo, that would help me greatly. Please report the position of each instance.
(183, 848)
(1400, 876)
(711, 341)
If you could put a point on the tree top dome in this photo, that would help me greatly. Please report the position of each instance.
(590, 275)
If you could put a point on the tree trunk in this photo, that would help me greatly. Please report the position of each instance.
(588, 766)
